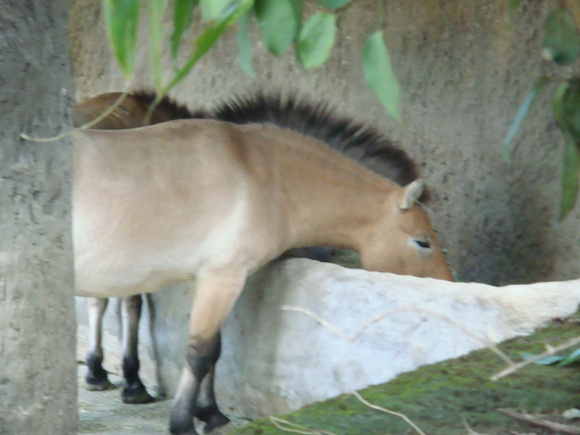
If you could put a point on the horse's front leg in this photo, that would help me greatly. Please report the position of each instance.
(134, 391)
(213, 298)
(208, 410)
(96, 379)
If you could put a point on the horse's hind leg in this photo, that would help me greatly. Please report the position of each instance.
(214, 297)
(96, 378)
(134, 391)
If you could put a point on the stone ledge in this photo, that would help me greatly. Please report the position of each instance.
(276, 361)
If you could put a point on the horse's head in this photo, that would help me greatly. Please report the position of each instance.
(404, 242)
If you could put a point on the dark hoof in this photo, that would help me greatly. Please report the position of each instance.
(213, 418)
(182, 429)
(189, 432)
(216, 424)
(93, 384)
(136, 395)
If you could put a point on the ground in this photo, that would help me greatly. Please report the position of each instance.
(103, 413)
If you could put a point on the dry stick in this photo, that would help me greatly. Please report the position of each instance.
(468, 428)
(538, 421)
(388, 411)
(512, 366)
(381, 316)
(572, 342)
(88, 125)
(295, 428)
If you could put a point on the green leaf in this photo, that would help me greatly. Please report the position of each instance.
(277, 23)
(558, 105)
(182, 18)
(209, 36)
(156, 10)
(316, 39)
(571, 108)
(121, 23)
(570, 359)
(570, 171)
(212, 9)
(563, 101)
(521, 115)
(333, 4)
(244, 41)
(379, 74)
(562, 38)
(547, 361)
(298, 9)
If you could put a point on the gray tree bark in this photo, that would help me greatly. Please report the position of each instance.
(37, 323)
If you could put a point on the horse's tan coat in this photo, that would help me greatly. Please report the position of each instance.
(156, 205)
(209, 202)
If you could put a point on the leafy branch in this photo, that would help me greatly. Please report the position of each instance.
(280, 24)
(561, 46)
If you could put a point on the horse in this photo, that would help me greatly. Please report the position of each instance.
(210, 200)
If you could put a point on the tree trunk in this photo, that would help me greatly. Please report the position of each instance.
(37, 324)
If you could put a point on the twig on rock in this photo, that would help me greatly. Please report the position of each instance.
(542, 422)
(551, 351)
(470, 431)
(388, 411)
(381, 316)
(287, 426)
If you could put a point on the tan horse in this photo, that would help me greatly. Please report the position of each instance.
(215, 201)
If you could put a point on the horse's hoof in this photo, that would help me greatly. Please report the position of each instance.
(216, 421)
(98, 385)
(182, 428)
(136, 395)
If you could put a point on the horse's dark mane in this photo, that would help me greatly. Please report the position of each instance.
(361, 143)
(355, 140)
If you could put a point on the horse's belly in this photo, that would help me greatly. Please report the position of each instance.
(109, 263)
(124, 275)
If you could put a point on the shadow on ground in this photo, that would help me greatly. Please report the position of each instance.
(103, 412)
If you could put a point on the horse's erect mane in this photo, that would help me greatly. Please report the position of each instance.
(361, 143)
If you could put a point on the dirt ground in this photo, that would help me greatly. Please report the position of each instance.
(103, 412)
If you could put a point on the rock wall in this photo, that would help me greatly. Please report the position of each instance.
(464, 68)
(37, 323)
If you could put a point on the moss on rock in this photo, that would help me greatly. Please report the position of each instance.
(441, 398)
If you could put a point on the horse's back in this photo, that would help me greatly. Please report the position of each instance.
(155, 205)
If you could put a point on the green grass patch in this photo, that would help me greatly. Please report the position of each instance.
(440, 397)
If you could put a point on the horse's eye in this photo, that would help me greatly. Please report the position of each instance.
(422, 243)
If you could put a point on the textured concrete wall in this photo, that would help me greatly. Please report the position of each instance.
(37, 323)
(464, 68)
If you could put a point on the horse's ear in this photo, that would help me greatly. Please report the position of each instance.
(411, 194)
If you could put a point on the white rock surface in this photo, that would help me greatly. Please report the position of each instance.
(276, 361)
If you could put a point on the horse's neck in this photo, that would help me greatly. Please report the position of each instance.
(327, 198)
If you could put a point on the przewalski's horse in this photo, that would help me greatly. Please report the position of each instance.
(214, 200)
